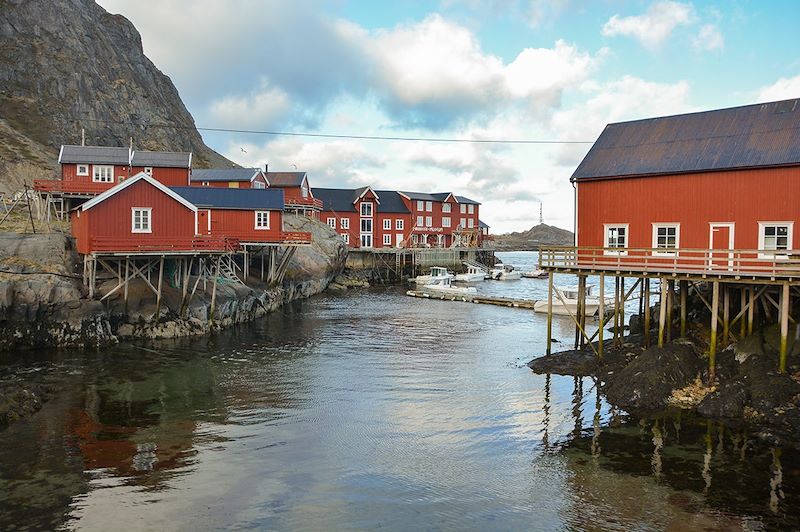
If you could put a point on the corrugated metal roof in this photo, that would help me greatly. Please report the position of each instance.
(163, 159)
(760, 135)
(224, 174)
(285, 179)
(233, 198)
(94, 154)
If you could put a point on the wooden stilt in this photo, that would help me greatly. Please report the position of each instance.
(127, 281)
(616, 310)
(712, 348)
(726, 313)
(785, 305)
(684, 289)
(751, 310)
(549, 312)
(160, 286)
(742, 319)
(214, 290)
(185, 285)
(624, 298)
(602, 315)
(662, 311)
(670, 304)
(647, 312)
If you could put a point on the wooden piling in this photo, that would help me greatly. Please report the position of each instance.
(647, 312)
(726, 313)
(742, 303)
(670, 303)
(160, 286)
(549, 312)
(616, 310)
(684, 288)
(785, 304)
(602, 315)
(712, 347)
(662, 310)
(214, 290)
(751, 311)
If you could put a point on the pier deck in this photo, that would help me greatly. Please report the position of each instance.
(474, 298)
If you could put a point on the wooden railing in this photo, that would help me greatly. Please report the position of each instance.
(74, 187)
(303, 202)
(717, 262)
(144, 245)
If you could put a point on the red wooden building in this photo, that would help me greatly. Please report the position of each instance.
(443, 219)
(297, 194)
(228, 178)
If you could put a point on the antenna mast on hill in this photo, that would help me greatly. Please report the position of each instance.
(541, 218)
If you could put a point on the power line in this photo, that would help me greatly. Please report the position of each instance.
(353, 137)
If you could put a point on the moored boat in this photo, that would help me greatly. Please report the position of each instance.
(535, 274)
(472, 275)
(504, 272)
(442, 285)
(568, 302)
(437, 272)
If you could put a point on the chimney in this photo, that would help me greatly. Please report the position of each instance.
(266, 168)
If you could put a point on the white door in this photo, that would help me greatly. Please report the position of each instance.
(399, 239)
(366, 241)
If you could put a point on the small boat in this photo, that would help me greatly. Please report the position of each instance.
(570, 303)
(437, 272)
(535, 274)
(473, 275)
(504, 272)
(442, 285)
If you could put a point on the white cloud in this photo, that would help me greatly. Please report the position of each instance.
(709, 38)
(654, 26)
(783, 89)
(260, 109)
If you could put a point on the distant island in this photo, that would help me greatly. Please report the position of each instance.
(531, 239)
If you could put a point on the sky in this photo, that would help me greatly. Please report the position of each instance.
(543, 70)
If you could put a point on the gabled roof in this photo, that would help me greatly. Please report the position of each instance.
(464, 199)
(391, 202)
(760, 135)
(337, 199)
(141, 176)
(163, 159)
(94, 154)
(482, 224)
(233, 198)
(285, 179)
(423, 196)
(225, 174)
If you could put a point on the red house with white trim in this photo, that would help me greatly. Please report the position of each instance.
(228, 178)
(297, 194)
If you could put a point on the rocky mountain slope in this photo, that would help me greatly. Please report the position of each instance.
(69, 64)
(531, 239)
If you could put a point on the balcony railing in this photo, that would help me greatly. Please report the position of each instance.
(307, 203)
(703, 262)
(155, 245)
(70, 187)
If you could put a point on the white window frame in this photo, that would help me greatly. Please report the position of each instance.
(148, 170)
(142, 229)
(387, 239)
(658, 226)
(429, 221)
(387, 224)
(446, 221)
(344, 223)
(462, 223)
(346, 238)
(471, 208)
(463, 208)
(398, 224)
(471, 223)
(420, 205)
(107, 169)
(82, 170)
(258, 184)
(420, 221)
(366, 212)
(428, 206)
(331, 222)
(367, 241)
(623, 250)
(762, 238)
(446, 207)
(371, 226)
(260, 216)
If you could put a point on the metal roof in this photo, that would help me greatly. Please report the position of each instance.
(336, 199)
(232, 198)
(285, 179)
(759, 135)
(163, 159)
(224, 174)
(391, 202)
(94, 154)
(482, 224)
(423, 196)
(464, 199)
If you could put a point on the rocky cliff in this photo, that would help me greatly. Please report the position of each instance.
(531, 239)
(67, 65)
(43, 302)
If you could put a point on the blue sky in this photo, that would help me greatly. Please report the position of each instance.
(468, 69)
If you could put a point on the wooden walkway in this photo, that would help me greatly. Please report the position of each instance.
(474, 298)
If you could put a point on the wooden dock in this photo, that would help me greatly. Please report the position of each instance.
(474, 298)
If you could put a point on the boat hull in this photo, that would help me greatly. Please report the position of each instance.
(470, 277)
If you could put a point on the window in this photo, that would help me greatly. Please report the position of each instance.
(346, 238)
(344, 223)
(304, 191)
(471, 208)
(445, 207)
(83, 169)
(463, 208)
(148, 170)
(463, 223)
(414, 239)
(429, 206)
(259, 184)
(366, 240)
(140, 220)
(774, 236)
(332, 222)
(366, 225)
(420, 205)
(398, 224)
(262, 220)
(205, 183)
(387, 224)
(103, 174)
(428, 221)
(420, 221)
(666, 238)
(616, 237)
(471, 223)
(366, 209)
(387, 240)
(446, 221)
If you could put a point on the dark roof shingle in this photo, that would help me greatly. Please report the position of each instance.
(760, 135)
(232, 198)
(94, 154)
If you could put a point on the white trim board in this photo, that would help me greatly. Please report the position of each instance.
(135, 179)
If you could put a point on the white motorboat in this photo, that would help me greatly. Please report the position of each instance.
(472, 275)
(535, 274)
(443, 285)
(437, 272)
(569, 305)
(504, 272)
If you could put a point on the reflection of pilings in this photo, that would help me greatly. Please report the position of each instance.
(577, 397)
(658, 445)
(546, 411)
(707, 458)
(775, 482)
(596, 420)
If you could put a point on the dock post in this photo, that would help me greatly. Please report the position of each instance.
(785, 304)
(647, 312)
(670, 303)
(602, 315)
(127, 281)
(726, 313)
(549, 311)
(623, 298)
(616, 310)
(160, 284)
(751, 310)
(712, 347)
(684, 288)
(742, 303)
(582, 310)
(214, 290)
(662, 310)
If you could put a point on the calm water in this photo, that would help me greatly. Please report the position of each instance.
(369, 410)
